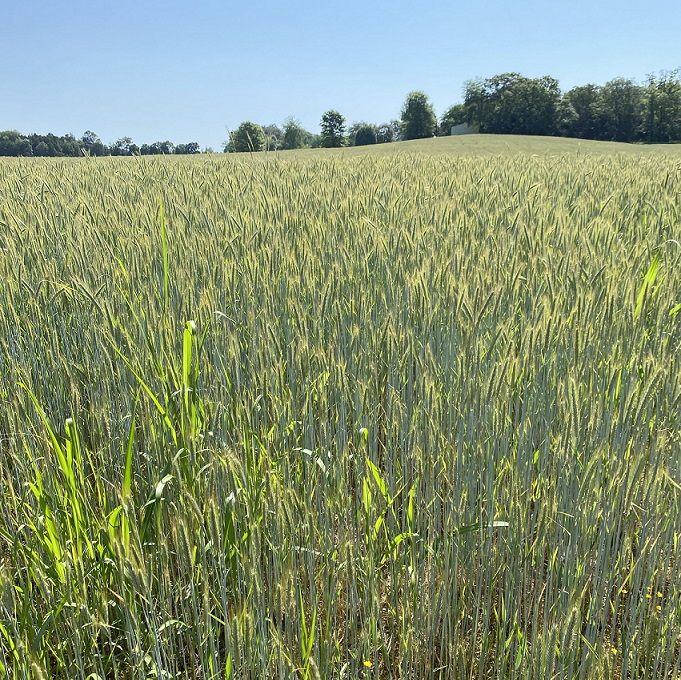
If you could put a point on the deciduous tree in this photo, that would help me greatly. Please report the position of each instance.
(362, 134)
(417, 120)
(295, 137)
(125, 147)
(247, 137)
(622, 109)
(512, 104)
(13, 143)
(385, 133)
(585, 100)
(662, 107)
(92, 144)
(333, 130)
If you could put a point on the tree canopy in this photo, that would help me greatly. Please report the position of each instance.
(512, 104)
(333, 130)
(621, 110)
(248, 136)
(417, 118)
(362, 134)
(295, 137)
(662, 107)
(13, 143)
(386, 133)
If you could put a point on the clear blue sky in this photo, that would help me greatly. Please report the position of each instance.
(189, 71)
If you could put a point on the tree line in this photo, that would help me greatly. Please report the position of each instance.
(621, 110)
(509, 103)
(250, 136)
(13, 143)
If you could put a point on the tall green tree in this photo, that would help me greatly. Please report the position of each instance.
(333, 130)
(247, 137)
(385, 133)
(92, 144)
(166, 147)
(622, 109)
(538, 101)
(585, 101)
(126, 147)
(512, 104)
(662, 108)
(417, 118)
(70, 146)
(566, 117)
(295, 136)
(362, 134)
(13, 143)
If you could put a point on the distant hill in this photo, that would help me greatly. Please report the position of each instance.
(491, 145)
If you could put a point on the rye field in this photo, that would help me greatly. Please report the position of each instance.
(407, 413)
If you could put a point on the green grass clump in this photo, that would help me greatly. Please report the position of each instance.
(403, 414)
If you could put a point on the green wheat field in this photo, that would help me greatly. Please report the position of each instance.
(406, 413)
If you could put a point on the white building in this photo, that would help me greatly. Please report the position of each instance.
(462, 129)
